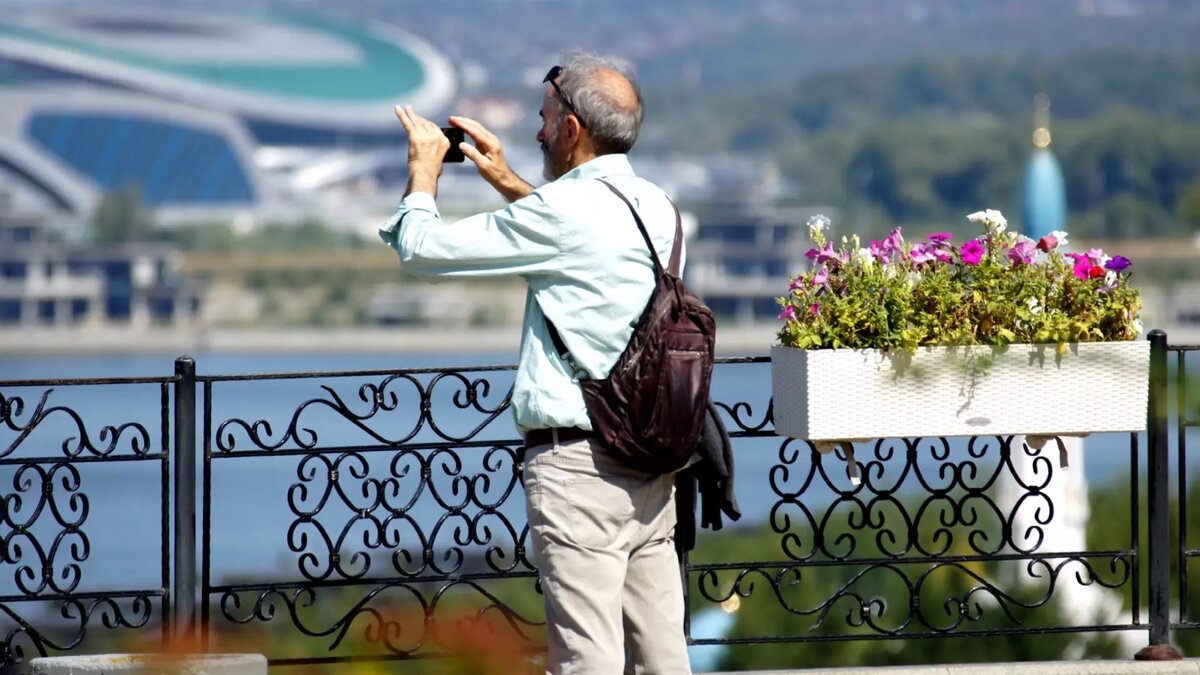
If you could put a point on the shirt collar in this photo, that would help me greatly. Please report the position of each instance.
(601, 167)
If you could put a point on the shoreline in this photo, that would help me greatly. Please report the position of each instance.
(749, 340)
(754, 340)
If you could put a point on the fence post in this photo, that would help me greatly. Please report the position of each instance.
(183, 597)
(1158, 494)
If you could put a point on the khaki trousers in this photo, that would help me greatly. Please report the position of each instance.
(603, 538)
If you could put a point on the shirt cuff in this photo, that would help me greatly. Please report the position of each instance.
(417, 201)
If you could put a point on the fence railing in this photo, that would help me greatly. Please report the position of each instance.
(378, 515)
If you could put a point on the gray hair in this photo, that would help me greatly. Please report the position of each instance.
(613, 126)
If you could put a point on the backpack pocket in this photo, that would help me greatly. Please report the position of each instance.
(680, 402)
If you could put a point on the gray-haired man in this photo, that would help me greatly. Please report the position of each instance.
(602, 533)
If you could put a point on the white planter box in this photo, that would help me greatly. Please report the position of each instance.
(842, 394)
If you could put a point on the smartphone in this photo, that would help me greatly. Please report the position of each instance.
(455, 136)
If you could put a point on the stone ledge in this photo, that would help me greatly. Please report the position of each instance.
(152, 664)
(1185, 667)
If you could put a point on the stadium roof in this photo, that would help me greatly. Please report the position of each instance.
(279, 68)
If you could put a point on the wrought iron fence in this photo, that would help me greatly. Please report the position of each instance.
(378, 515)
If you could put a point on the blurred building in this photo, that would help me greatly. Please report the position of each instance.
(210, 114)
(47, 281)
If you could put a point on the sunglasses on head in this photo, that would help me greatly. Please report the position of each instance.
(552, 78)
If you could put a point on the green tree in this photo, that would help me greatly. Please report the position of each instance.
(122, 216)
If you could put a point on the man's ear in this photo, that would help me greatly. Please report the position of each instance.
(573, 129)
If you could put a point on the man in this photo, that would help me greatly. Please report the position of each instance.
(602, 533)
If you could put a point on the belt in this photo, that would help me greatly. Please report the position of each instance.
(535, 437)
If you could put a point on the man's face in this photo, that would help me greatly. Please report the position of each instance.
(553, 158)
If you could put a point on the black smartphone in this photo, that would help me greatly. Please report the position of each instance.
(455, 136)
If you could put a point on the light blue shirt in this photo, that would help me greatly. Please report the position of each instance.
(577, 246)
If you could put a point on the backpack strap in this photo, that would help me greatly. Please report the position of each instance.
(676, 246)
(673, 264)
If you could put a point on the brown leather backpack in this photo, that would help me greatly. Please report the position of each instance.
(650, 409)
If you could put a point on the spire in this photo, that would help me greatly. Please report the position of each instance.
(1041, 120)
(1043, 199)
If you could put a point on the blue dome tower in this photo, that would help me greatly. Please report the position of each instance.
(1044, 195)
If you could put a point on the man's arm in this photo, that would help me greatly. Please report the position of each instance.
(488, 155)
(427, 147)
(520, 239)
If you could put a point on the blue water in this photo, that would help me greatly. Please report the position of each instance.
(251, 516)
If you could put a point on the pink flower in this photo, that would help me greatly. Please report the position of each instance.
(1095, 255)
(820, 277)
(939, 238)
(1022, 253)
(827, 254)
(1082, 267)
(811, 254)
(797, 283)
(815, 309)
(972, 252)
(922, 253)
(1047, 243)
(788, 313)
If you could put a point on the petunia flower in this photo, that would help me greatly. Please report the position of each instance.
(1118, 263)
(990, 216)
(1022, 253)
(972, 252)
(797, 283)
(820, 277)
(827, 254)
(1060, 236)
(1082, 267)
(939, 238)
(788, 313)
(1095, 255)
(811, 253)
(922, 253)
(1096, 272)
(1048, 243)
(815, 309)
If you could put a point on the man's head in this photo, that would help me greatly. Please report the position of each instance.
(591, 107)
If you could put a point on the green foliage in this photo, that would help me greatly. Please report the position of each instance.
(121, 217)
(992, 290)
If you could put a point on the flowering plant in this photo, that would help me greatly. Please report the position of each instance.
(997, 289)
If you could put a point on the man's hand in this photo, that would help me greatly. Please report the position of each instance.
(427, 147)
(488, 156)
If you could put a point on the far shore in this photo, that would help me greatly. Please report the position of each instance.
(752, 340)
(740, 340)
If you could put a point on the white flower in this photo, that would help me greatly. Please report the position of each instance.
(1021, 238)
(1110, 278)
(913, 278)
(990, 216)
(817, 225)
(1034, 305)
(1060, 236)
(1137, 326)
(865, 258)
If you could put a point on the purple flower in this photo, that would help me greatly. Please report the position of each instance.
(972, 252)
(944, 256)
(1118, 263)
(820, 277)
(1022, 253)
(894, 241)
(815, 309)
(1095, 255)
(922, 253)
(797, 283)
(879, 250)
(939, 238)
(811, 254)
(788, 313)
(827, 254)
